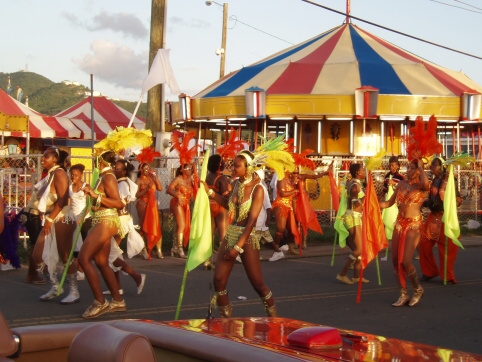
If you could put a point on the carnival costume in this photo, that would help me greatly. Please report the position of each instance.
(421, 143)
(272, 154)
(433, 227)
(50, 254)
(184, 193)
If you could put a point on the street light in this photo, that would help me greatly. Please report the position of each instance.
(221, 51)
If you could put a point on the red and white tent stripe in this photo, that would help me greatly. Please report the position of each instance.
(107, 116)
(39, 125)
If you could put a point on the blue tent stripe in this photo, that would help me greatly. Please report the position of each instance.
(247, 73)
(374, 70)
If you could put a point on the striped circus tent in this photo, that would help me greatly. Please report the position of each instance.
(18, 120)
(107, 116)
(318, 78)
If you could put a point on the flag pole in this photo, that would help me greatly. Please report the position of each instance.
(181, 293)
(334, 247)
(445, 259)
(135, 110)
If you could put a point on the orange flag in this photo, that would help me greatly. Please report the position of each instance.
(152, 225)
(374, 238)
(304, 211)
(335, 193)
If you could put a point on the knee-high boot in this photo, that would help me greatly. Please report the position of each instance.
(74, 295)
(180, 250)
(417, 288)
(54, 281)
(403, 299)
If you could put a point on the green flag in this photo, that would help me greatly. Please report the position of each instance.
(450, 218)
(200, 239)
(390, 214)
(339, 225)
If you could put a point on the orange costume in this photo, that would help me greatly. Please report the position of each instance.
(433, 233)
(185, 195)
(151, 225)
(213, 205)
(404, 224)
(285, 205)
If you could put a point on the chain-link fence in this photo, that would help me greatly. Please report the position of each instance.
(19, 173)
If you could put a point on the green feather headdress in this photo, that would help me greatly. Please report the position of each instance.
(273, 154)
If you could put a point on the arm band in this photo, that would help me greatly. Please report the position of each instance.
(238, 249)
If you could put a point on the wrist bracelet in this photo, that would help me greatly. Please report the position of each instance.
(49, 219)
(210, 192)
(238, 249)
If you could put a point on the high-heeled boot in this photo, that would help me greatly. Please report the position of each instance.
(404, 298)
(291, 249)
(417, 288)
(180, 250)
(226, 311)
(74, 295)
(174, 247)
(54, 289)
(159, 249)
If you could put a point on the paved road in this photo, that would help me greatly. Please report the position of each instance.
(305, 288)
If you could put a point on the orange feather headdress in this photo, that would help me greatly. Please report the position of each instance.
(300, 158)
(147, 155)
(421, 142)
(186, 154)
(233, 146)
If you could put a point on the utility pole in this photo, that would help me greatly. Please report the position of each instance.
(155, 96)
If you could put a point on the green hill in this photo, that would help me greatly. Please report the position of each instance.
(50, 98)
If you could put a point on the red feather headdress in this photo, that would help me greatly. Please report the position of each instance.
(421, 142)
(186, 154)
(147, 155)
(301, 160)
(232, 146)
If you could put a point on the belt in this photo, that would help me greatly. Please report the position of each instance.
(29, 210)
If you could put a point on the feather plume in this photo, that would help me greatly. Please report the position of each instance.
(375, 161)
(421, 142)
(186, 154)
(301, 159)
(122, 139)
(273, 154)
(232, 146)
(460, 159)
(147, 155)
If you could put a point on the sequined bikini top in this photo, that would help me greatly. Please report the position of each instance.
(242, 209)
(412, 197)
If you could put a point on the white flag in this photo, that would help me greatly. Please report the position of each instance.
(161, 72)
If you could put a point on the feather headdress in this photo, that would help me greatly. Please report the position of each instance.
(301, 159)
(273, 154)
(460, 159)
(232, 146)
(421, 142)
(375, 161)
(122, 139)
(147, 155)
(186, 154)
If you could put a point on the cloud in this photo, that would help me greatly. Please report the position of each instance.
(115, 64)
(124, 23)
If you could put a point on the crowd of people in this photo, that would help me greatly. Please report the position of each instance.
(67, 214)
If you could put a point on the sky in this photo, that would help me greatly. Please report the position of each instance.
(71, 39)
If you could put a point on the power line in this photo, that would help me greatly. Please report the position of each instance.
(392, 30)
(472, 6)
(458, 7)
(233, 17)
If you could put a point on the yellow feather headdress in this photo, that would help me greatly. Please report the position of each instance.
(273, 154)
(122, 139)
